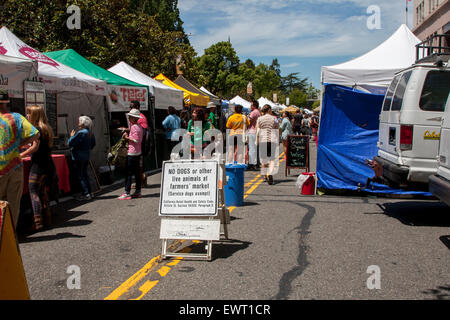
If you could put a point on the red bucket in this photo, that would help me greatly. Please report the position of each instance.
(309, 187)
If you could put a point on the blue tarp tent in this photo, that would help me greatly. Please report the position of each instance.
(351, 105)
(348, 136)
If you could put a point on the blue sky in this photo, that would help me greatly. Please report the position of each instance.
(303, 34)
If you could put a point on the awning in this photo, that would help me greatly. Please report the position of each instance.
(165, 96)
(56, 76)
(14, 71)
(182, 82)
(121, 91)
(190, 98)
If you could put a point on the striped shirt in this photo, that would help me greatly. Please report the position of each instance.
(267, 126)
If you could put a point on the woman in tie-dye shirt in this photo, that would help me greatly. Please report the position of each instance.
(15, 131)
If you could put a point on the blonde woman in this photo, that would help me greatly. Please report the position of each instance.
(42, 167)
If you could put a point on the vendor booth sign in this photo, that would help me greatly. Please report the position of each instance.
(120, 97)
(12, 76)
(34, 93)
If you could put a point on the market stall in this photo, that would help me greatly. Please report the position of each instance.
(246, 104)
(68, 94)
(62, 170)
(352, 98)
(121, 92)
(165, 96)
(183, 82)
(190, 98)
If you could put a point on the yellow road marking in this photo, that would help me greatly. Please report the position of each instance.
(145, 288)
(175, 261)
(138, 276)
(251, 182)
(256, 185)
(164, 270)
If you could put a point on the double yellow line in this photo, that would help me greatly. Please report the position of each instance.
(164, 269)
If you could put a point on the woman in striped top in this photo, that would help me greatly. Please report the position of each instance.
(268, 134)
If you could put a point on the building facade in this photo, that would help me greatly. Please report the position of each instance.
(432, 17)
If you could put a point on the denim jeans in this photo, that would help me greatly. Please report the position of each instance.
(81, 169)
(133, 169)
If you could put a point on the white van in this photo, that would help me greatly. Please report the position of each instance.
(440, 182)
(410, 124)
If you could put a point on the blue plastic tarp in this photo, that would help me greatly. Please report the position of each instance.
(348, 136)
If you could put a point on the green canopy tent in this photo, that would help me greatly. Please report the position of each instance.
(121, 91)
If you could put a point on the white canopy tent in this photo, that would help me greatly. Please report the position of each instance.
(69, 91)
(56, 76)
(14, 71)
(165, 96)
(374, 70)
(263, 101)
(207, 92)
(238, 100)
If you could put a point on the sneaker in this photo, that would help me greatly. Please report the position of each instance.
(270, 180)
(124, 196)
(136, 195)
(83, 197)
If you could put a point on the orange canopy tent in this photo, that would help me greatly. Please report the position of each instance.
(190, 98)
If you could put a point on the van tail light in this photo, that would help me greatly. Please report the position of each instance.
(406, 137)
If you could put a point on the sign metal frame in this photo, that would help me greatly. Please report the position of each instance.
(223, 215)
(288, 167)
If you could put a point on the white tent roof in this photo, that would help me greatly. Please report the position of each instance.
(263, 101)
(165, 96)
(14, 71)
(207, 92)
(241, 101)
(378, 66)
(55, 75)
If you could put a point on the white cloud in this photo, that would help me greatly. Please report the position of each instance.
(303, 28)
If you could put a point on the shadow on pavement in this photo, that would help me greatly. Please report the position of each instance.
(445, 240)
(59, 236)
(418, 213)
(250, 204)
(225, 249)
(439, 293)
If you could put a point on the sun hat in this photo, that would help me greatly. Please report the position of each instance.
(211, 105)
(134, 113)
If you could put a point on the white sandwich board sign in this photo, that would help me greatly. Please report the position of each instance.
(189, 188)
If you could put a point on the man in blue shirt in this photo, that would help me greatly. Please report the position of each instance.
(171, 123)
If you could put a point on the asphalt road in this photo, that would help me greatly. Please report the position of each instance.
(282, 246)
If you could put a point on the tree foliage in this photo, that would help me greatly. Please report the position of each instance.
(111, 31)
(149, 35)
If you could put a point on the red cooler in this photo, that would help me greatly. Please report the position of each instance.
(309, 187)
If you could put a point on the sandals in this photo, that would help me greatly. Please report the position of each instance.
(47, 217)
(37, 226)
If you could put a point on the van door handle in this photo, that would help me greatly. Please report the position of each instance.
(435, 119)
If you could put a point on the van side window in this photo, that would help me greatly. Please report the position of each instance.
(389, 93)
(400, 92)
(435, 91)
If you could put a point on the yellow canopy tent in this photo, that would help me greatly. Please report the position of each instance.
(189, 97)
